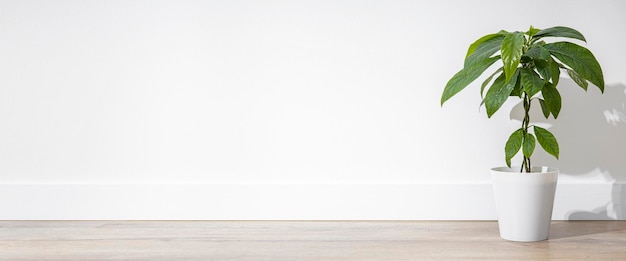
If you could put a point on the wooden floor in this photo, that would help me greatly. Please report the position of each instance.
(302, 240)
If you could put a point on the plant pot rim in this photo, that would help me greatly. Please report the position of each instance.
(534, 170)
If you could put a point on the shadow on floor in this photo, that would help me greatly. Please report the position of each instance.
(565, 229)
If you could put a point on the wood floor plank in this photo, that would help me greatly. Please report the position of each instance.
(302, 240)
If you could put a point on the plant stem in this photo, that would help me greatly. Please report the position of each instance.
(525, 123)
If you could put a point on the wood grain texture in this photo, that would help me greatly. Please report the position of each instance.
(301, 240)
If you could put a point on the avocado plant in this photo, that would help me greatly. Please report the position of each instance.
(530, 71)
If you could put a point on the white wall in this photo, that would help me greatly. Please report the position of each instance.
(284, 92)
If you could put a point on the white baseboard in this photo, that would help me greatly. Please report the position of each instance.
(288, 201)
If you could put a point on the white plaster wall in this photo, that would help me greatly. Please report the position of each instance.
(281, 92)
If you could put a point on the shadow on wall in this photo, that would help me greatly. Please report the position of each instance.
(591, 130)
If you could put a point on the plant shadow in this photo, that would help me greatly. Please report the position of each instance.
(570, 229)
(591, 131)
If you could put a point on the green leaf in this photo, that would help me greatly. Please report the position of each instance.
(486, 82)
(538, 53)
(498, 93)
(497, 83)
(532, 31)
(544, 108)
(547, 67)
(517, 90)
(580, 59)
(482, 49)
(577, 79)
(544, 69)
(541, 56)
(528, 146)
(547, 141)
(555, 72)
(560, 31)
(512, 49)
(531, 82)
(483, 39)
(464, 77)
(513, 145)
(552, 98)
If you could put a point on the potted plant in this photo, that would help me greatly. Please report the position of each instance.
(530, 71)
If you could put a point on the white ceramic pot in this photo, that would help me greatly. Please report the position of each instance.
(524, 202)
